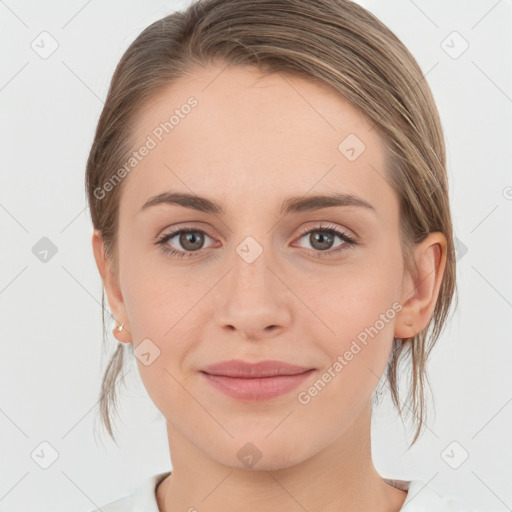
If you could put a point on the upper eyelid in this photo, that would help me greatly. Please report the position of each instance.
(315, 227)
(327, 225)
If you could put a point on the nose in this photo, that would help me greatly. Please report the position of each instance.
(255, 301)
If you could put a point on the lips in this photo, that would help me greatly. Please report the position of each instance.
(255, 381)
(261, 369)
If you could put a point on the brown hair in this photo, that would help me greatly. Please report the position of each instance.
(332, 42)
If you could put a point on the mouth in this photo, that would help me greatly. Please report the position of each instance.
(255, 381)
(261, 369)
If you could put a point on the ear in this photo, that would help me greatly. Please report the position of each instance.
(111, 283)
(420, 291)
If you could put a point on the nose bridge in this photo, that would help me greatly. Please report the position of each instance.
(250, 275)
(255, 298)
(253, 247)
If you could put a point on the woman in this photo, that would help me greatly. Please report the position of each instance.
(268, 191)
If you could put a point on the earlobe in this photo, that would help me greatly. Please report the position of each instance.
(421, 290)
(122, 334)
(112, 289)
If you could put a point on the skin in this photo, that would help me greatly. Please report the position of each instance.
(251, 142)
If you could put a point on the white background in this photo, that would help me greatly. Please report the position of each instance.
(50, 327)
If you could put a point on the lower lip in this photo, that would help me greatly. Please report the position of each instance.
(263, 388)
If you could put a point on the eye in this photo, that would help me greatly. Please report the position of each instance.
(322, 239)
(190, 240)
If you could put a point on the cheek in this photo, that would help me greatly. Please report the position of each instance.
(154, 294)
(359, 310)
(164, 308)
(357, 307)
(162, 320)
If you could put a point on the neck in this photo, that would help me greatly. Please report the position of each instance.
(339, 478)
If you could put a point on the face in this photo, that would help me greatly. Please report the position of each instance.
(256, 271)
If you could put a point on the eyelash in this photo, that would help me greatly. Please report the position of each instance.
(323, 227)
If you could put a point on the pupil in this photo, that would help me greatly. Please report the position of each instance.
(189, 241)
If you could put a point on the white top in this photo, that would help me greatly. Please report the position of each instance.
(420, 498)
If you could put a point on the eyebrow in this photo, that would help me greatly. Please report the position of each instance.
(290, 205)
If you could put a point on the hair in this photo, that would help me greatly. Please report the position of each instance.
(336, 43)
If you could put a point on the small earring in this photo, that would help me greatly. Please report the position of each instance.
(408, 322)
(119, 328)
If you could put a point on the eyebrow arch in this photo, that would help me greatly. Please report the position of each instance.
(290, 205)
(310, 203)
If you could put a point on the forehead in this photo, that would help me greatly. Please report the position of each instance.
(234, 131)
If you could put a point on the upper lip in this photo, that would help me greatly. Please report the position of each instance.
(245, 370)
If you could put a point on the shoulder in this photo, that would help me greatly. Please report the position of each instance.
(422, 498)
(143, 498)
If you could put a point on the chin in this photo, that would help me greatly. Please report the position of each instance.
(256, 452)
